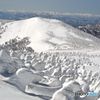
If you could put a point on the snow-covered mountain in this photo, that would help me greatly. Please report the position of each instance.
(48, 34)
(55, 75)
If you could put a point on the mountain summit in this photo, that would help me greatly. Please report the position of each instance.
(48, 34)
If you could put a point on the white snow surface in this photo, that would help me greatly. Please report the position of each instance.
(47, 34)
(50, 75)
(9, 92)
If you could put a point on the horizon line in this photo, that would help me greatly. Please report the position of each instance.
(53, 12)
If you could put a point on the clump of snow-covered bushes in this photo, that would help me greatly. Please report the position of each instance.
(51, 71)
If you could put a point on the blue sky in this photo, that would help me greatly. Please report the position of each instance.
(70, 6)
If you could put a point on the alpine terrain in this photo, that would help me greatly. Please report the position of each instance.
(47, 59)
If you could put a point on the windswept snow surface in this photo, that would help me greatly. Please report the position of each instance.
(47, 34)
(9, 92)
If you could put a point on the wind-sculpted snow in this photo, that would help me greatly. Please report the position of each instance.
(67, 92)
(62, 76)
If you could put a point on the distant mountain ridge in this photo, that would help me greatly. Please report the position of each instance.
(72, 19)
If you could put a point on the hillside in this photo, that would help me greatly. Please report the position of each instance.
(48, 34)
(67, 67)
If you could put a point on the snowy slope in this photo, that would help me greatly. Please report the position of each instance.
(9, 92)
(47, 34)
(74, 70)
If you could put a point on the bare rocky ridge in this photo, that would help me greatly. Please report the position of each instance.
(91, 29)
